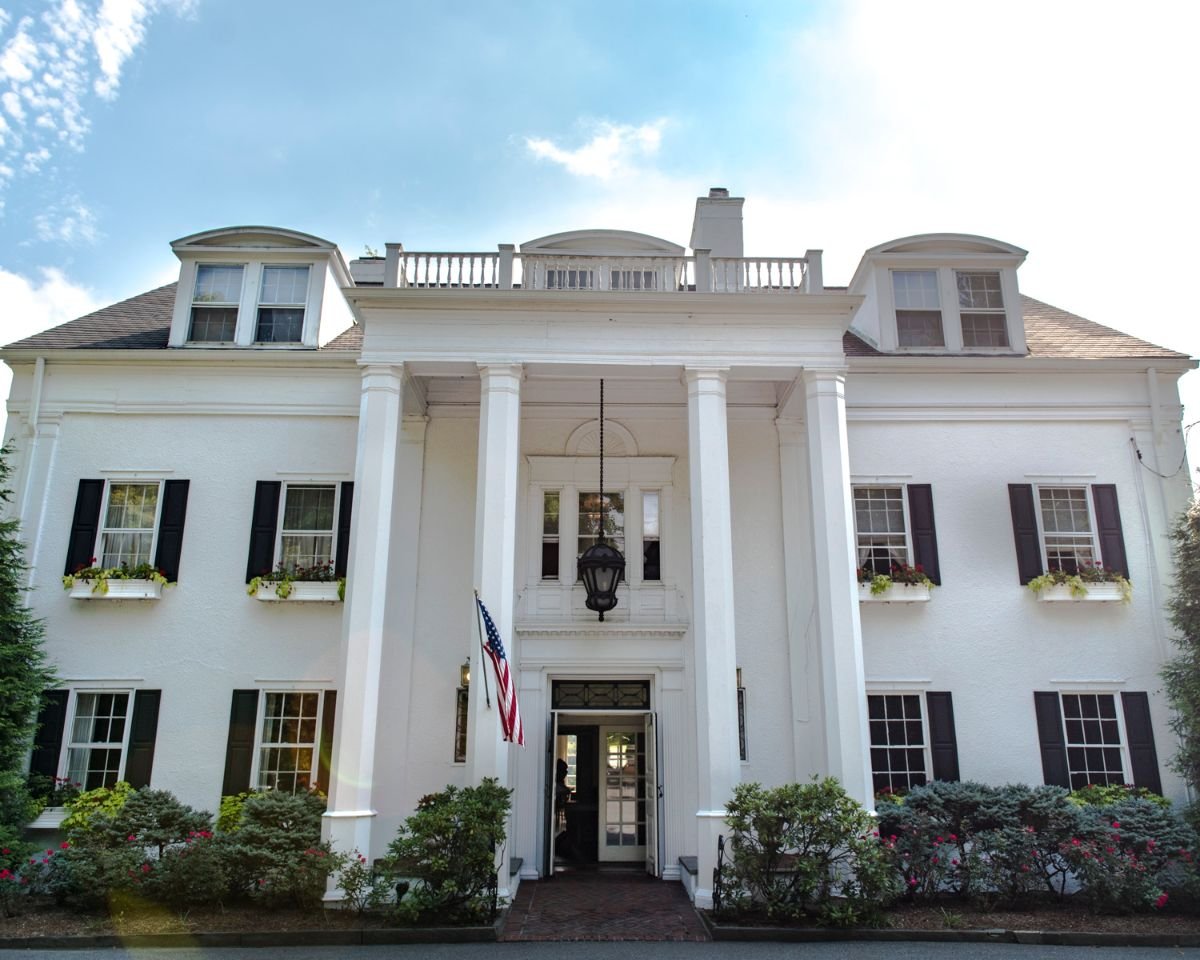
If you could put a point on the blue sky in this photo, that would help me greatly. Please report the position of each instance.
(1066, 128)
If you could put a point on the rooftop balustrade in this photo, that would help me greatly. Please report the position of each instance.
(507, 269)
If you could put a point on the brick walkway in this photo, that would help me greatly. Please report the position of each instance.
(601, 905)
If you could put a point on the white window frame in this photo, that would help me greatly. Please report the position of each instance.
(69, 742)
(260, 745)
(662, 563)
(623, 493)
(1119, 712)
(1097, 560)
(279, 530)
(941, 309)
(927, 750)
(260, 304)
(544, 538)
(102, 527)
(235, 304)
(1000, 312)
(857, 485)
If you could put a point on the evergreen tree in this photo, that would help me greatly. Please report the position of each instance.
(1181, 675)
(24, 673)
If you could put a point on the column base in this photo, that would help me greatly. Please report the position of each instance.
(710, 824)
(346, 831)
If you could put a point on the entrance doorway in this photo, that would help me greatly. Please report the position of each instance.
(604, 796)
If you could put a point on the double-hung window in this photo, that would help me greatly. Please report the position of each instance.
(281, 301)
(307, 525)
(918, 308)
(99, 734)
(597, 514)
(1093, 739)
(881, 528)
(551, 503)
(899, 745)
(981, 309)
(288, 740)
(215, 300)
(130, 520)
(651, 536)
(1068, 533)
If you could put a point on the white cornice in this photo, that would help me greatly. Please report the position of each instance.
(302, 359)
(595, 631)
(945, 363)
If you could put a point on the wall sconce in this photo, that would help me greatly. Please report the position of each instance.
(464, 674)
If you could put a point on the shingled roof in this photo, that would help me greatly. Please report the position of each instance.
(143, 323)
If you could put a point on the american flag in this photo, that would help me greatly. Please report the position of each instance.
(506, 693)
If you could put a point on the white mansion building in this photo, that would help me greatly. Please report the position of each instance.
(427, 425)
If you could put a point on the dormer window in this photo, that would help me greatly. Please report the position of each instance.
(918, 308)
(215, 303)
(281, 302)
(981, 305)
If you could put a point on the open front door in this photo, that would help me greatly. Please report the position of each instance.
(550, 833)
(653, 799)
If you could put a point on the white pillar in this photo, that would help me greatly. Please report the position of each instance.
(719, 766)
(348, 820)
(840, 633)
(488, 755)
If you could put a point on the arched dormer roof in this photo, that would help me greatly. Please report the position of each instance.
(948, 244)
(253, 237)
(603, 243)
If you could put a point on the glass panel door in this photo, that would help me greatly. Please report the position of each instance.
(622, 834)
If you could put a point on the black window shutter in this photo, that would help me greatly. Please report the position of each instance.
(325, 748)
(47, 741)
(924, 533)
(84, 526)
(1108, 523)
(1143, 758)
(170, 528)
(142, 732)
(343, 532)
(1051, 739)
(262, 528)
(1025, 531)
(943, 743)
(239, 753)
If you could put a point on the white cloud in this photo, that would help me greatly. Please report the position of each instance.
(612, 149)
(120, 29)
(69, 222)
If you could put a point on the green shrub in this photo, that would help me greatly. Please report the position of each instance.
(804, 850)
(447, 852)
(191, 873)
(229, 814)
(276, 856)
(151, 819)
(1101, 795)
(364, 889)
(103, 801)
(85, 875)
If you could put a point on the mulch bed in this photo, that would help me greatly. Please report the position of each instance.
(1068, 917)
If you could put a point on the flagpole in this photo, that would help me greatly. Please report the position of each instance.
(482, 665)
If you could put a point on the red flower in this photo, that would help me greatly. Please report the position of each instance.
(1160, 902)
(65, 845)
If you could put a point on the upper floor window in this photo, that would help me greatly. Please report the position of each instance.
(918, 308)
(215, 303)
(550, 534)
(1067, 529)
(651, 536)
(634, 280)
(981, 307)
(307, 527)
(130, 516)
(594, 510)
(570, 279)
(281, 303)
(880, 528)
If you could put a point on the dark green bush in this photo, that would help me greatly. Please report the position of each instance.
(276, 856)
(188, 874)
(446, 851)
(85, 875)
(804, 850)
(151, 819)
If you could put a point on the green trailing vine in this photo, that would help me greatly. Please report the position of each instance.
(901, 573)
(99, 576)
(1077, 583)
(284, 577)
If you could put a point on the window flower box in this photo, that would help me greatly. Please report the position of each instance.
(895, 593)
(50, 818)
(115, 590)
(299, 591)
(1103, 592)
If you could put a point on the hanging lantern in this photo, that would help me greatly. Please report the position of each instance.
(601, 568)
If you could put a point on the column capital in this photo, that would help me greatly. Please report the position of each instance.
(497, 371)
(823, 374)
(705, 378)
(382, 377)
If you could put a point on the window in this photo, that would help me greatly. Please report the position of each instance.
(634, 280)
(550, 526)
(880, 528)
(743, 748)
(99, 734)
(570, 280)
(591, 509)
(281, 304)
(899, 759)
(1093, 739)
(461, 703)
(287, 748)
(307, 525)
(215, 303)
(981, 307)
(651, 537)
(1067, 536)
(918, 308)
(127, 535)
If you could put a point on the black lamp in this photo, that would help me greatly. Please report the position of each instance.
(601, 567)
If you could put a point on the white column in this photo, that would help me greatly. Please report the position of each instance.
(840, 633)
(348, 820)
(719, 767)
(488, 755)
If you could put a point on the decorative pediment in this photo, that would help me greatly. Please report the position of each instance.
(947, 244)
(602, 243)
(254, 238)
(585, 440)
